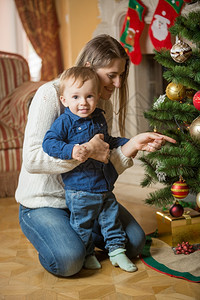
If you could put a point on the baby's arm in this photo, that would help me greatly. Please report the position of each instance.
(56, 143)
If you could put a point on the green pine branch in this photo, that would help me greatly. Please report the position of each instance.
(163, 57)
(160, 198)
(180, 159)
(187, 73)
(171, 113)
(187, 27)
(173, 118)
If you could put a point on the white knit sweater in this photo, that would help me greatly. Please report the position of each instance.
(40, 183)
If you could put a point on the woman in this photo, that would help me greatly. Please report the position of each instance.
(43, 215)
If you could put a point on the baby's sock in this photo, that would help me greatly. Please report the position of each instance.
(92, 263)
(119, 259)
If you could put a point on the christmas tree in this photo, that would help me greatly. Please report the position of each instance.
(177, 114)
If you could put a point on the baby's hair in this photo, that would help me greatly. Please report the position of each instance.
(80, 74)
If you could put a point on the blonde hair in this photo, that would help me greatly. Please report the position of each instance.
(99, 52)
(80, 74)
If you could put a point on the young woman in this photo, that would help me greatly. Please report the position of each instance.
(43, 215)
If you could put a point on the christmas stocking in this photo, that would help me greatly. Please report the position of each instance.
(132, 29)
(164, 17)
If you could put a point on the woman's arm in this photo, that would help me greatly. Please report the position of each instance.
(147, 141)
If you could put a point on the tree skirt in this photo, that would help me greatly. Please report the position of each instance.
(160, 256)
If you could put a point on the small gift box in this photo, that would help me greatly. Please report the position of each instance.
(174, 231)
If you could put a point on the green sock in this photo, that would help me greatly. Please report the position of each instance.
(119, 259)
(92, 263)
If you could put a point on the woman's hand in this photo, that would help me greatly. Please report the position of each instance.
(98, 149)
(148, 141)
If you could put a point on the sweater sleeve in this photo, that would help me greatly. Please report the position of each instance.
(118, 159)
(44, 109)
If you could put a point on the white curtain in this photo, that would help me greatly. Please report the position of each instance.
(12, 35)
(14, 39)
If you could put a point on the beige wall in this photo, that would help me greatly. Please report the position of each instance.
(78, 20)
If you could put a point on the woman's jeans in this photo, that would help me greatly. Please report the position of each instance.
(60, 249)
(85, 208)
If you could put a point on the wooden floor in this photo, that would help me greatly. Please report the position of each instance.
(23, 278)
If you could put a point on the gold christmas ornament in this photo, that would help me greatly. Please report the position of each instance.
(194, 128)
(175, 91)
(198, 200)
(180, 52)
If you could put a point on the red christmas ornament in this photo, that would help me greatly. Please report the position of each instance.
(180, 189)
(176, 210)
(196, 100)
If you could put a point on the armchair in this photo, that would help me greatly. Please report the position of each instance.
(16, 93)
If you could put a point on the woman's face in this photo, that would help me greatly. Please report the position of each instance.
(111, 77)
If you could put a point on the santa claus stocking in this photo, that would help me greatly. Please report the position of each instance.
(132, 29)
(164, 17)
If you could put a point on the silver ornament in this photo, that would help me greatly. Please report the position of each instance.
(198, 200)
(180, 52)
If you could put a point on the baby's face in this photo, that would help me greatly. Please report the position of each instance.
(81, 100)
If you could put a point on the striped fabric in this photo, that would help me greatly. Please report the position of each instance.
(10, 138)
(14, 108)
(14, 71)
(10, 160)
(16, 93)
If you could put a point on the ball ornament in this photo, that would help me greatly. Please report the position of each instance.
(198, 200)
(180, 189)
(175, 91)
(180, 52)
(194, 128)
(176, 210)
(196, 100)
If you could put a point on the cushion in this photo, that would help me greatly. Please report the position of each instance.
(13, 117)
(14, 107)
(14, 70)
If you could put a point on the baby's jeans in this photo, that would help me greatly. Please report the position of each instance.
(85, 208)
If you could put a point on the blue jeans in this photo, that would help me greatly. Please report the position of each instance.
(85, 208)
(60, 249)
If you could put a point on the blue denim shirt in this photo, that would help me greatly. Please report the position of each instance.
(68, 130)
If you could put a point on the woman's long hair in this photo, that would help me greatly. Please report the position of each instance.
(99, 52)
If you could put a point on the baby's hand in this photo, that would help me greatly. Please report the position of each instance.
(80, 153)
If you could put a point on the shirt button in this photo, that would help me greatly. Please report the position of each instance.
(79, 128)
